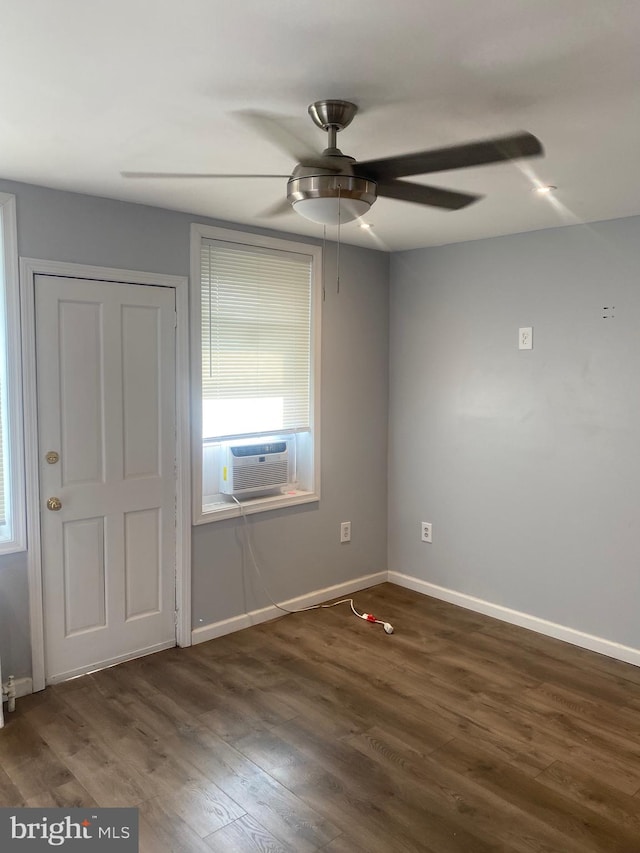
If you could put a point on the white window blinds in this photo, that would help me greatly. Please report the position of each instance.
(256, 340)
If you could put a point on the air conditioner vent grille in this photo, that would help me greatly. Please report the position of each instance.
(262, 475)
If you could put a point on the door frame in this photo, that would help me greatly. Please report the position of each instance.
(29, 269)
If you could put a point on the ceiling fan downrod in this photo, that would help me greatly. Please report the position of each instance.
(332, 116)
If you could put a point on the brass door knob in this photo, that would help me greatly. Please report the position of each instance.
(54, 504)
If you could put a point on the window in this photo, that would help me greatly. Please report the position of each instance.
(12, 512)
(256, 356)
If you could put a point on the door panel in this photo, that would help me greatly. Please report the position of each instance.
(106, 403)
(81, 438)
(143, 562)
(140, 357)
(84, 575)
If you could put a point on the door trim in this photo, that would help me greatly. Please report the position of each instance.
(29, 269)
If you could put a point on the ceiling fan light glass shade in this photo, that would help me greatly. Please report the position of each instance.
(330, 211)
(329, 199)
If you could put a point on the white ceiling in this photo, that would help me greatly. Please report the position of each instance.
(88, 90)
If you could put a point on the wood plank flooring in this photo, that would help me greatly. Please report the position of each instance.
(318, 732)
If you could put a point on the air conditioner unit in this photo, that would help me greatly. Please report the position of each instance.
(254, 468)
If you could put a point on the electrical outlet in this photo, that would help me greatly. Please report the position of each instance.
(525, 337)
(345, 531)
(425, 527)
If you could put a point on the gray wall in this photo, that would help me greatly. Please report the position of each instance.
(526, 463)
(15, 643)
(299, 548)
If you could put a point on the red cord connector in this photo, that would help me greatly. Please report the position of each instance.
(369, 617)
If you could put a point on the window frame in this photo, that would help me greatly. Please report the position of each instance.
(225, 509)
(11, 360)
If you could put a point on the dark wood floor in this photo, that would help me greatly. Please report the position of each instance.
(320, 732)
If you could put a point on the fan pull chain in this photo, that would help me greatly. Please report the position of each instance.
(324, 266)
(338, 250)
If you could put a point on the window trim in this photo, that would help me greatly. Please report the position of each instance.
(14, 415)
(260, 504)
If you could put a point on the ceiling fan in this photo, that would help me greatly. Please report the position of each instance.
(332, 187)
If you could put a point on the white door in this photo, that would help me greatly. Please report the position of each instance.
(105, 362)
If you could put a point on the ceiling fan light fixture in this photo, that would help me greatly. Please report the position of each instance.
(331, 199)
(330, 211)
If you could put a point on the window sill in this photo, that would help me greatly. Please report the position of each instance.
(218, 510)
(12, 547)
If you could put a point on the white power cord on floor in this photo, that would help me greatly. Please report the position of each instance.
(368, 617)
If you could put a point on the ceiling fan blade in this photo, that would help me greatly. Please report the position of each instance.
(423, 194)
(453, 157)
(274, 129)
(279, 208)
(192, 175)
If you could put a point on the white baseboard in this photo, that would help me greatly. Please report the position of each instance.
(523, 620)
(264, 614)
